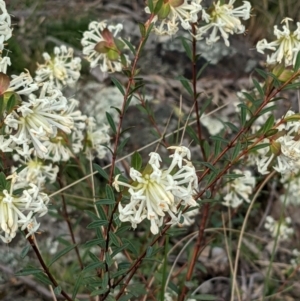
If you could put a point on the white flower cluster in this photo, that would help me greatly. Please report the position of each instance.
(284, 152)
(19, 210)
(239, 190)
(291, 185)
(285, 48)
(174, 11)
(282, 229)
(35, 171)
(156, 191)
(295, 262)
(5, 23)
(62, 69)
(223, 19)
(102, 47)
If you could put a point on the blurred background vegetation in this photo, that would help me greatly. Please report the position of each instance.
(41, 24)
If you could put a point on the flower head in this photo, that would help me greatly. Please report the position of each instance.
(282, 229)
(224, 18)
(5, 23)
(285, 48)
(239, 189)
(17, 210)
(95, 139)
(39, 119)
(174, 11)
(102, 47)
(62, 69)
(156, 191)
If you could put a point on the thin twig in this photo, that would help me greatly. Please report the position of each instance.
(267, 178)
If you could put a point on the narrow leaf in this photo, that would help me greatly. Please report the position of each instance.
(111, 122)
(101, 171)
(61, 253)
(118, 85)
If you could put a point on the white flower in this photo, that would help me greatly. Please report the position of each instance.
(225, 19)
(5, 23)
(281, 229)
(239, 189)
(5, 144)
(156, 191)
(22, 84)
(62, 69)
(295, 262)
(18, 211)
(102, 47)
(213, 125)
(174, 11)
(39, 119)
(36, 172)
(285, 48)
(291, 185)
(284, 152)
(4, 62)
(57, 149)
(95, 138)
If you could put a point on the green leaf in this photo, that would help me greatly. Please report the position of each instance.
(118, 85)
(136, 161)
(126, 297)
(108, 259)
(236, 150)
(61, 253)
(259, 146)
(109, 193)
(96, 224)
(206, 148)
(297, 62)
(57, 290)
(202, 69)
(28, 271)
(262, 73)
(93, 266)
(244, 110)
(150, 5)
(149, 251)
(293, 86)
(3, 181)
(105, 202)
(111, 122)
(217, 147)
(231, 126)
(118, 250)
(258, 87)
(186, 84)
(249, 97)
(25, 251)
(99, 292)
(12, 101)
(210, 166)
(130, 46)
(43, 278)
(114, 238)
(187, 48)
(77, 285)
(268, 124)
(204, 297)
(158, 6)
(218, 138)
(190, 131)
(130, 246)
(94, 242)
(101, 171)
(122, 144)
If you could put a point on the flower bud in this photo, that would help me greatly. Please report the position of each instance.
(275, 148)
